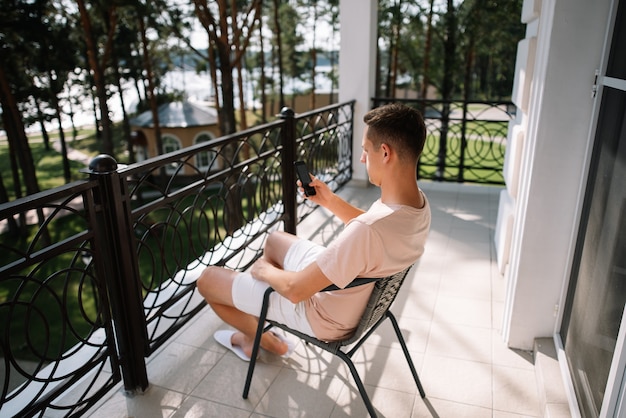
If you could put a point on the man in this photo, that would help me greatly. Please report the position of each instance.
(386, 239)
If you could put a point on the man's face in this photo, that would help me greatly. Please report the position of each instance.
(372, 158)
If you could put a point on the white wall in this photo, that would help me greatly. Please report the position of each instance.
(544, 180)
(358, 20)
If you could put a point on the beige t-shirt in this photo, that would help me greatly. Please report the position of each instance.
(382, 241)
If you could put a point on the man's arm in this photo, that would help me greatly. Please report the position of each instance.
(293, 285)
(326, 198)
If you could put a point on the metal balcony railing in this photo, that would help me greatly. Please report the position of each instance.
(466, 141)
(97, 274)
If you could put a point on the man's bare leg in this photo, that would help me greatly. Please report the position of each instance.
(277, 245)
(215, 285)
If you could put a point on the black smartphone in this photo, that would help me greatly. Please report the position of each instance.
(303, 174)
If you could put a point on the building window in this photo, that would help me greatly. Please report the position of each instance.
(207, 160)
(171, 144)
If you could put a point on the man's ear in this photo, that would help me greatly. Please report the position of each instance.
(386, 150)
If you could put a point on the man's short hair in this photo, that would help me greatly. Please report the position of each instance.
(400, 126)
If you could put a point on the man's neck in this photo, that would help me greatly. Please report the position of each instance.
(399, 192)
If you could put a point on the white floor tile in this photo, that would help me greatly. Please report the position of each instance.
(386, 402)
(463, 311)
(460, 342)
(515, 390)
(460, 381)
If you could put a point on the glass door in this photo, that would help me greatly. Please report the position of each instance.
(597, 292)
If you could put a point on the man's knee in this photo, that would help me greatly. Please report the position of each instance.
(277, 245)
(274, 238)
(208, 284)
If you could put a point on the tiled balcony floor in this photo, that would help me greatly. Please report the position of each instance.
(450, 312)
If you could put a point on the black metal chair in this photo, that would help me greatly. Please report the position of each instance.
(377, 310)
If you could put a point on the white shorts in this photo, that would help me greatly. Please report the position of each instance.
(248, 292)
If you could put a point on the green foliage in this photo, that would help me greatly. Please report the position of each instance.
(484, 33)
(292, 41)
(48, 165)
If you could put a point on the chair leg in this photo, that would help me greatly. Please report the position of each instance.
(252, 364)
(359, 383)
(257, 342)
(394, 322)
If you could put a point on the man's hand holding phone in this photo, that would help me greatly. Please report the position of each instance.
(321, 193)
(305, 178)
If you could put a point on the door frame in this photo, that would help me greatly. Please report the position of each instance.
(614, 401)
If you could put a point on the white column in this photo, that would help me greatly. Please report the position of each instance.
(358, 20)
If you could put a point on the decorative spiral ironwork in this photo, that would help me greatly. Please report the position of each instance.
(54, 326)
(465, 141)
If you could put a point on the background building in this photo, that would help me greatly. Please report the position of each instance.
(182, 124)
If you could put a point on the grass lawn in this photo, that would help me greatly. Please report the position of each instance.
(49, 163)
(483, 156)
(49, 166)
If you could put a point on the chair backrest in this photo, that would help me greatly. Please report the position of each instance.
(384, 293)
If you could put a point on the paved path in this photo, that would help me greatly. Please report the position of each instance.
(72, 153)
(31, 215)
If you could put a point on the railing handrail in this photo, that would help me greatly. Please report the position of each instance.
(157, 161)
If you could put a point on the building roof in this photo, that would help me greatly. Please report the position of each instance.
(178, 115)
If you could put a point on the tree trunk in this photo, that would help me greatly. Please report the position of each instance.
(313, 57)
(394, 46)
(67, 175)
(94, 107)
(449, 58)
(227, 110)
(213, 68)
(18, 144)
(469, 64)
(71, 115)
(279, 55)
(139, 91)
(242, 105)
(15, 166)
(393, 71)
(262, 80)
(14, 229)
(17, 135)
(42, 125)
(447, 86)
(15, 172)
(243, 122)
(333, 79)
(378, 72)
(154, 108)
(125, 122)
(99, 80)
(427, 48)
